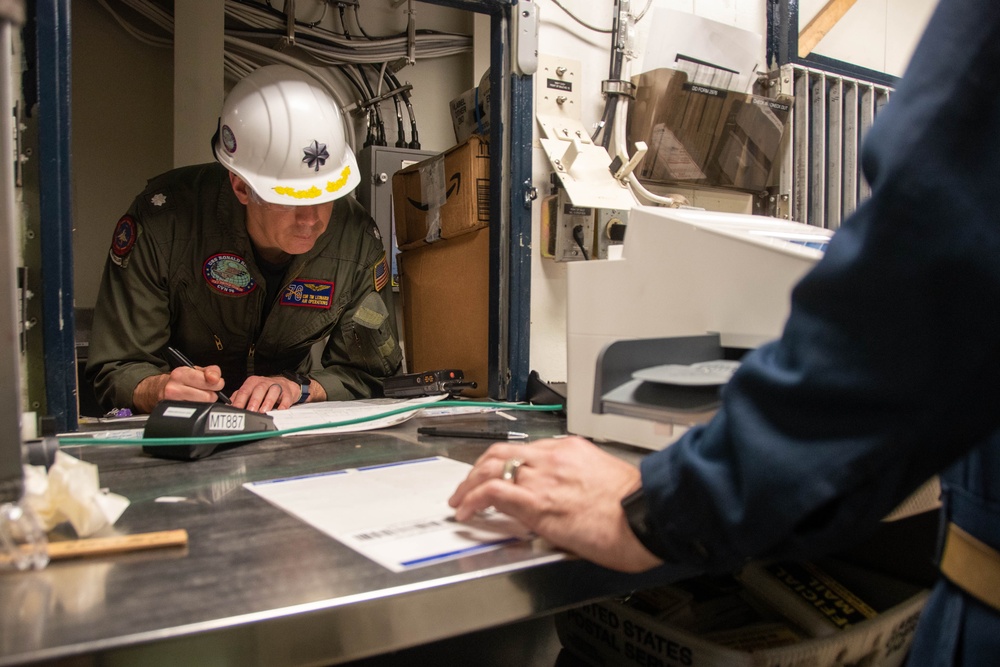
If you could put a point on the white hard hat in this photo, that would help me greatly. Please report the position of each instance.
(282, 133)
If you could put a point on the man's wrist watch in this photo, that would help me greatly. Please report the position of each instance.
(303, 381)
(637, 515)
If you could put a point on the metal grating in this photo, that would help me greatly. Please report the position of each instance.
(820, 180)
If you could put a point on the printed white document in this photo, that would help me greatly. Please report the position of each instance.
(396, 514)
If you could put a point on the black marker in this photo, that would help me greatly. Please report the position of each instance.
(184, 361)
(482, 433)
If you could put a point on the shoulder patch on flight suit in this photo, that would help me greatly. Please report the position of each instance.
(123, 240)
(228, 274)
(371, 316)
(371, 313)
(308, 293)
(380, 274)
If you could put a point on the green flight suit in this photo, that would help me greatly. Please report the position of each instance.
(181, 272)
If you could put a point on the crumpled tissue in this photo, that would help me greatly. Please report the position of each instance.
(70, 491)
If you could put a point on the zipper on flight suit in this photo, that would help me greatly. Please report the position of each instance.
(197, 312)
(260, 329)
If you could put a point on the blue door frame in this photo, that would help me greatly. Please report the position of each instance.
(510, 206)
(56, 228)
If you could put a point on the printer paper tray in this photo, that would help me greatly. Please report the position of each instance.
(685, 406)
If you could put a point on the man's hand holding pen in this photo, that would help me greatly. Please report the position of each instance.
(183, 383)
(182, 360)
(195, 383)
(188, 382)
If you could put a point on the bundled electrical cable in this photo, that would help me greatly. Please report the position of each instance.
(611, 128)
(258, 34)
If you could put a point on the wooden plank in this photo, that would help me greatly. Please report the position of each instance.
(821, 24)
(103, 546)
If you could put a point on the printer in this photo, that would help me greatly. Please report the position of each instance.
(690, 286)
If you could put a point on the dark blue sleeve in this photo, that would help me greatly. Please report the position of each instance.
(888, 368)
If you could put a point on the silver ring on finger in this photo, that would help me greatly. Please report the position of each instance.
(510, 468)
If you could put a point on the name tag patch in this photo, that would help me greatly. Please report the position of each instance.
(309, 294)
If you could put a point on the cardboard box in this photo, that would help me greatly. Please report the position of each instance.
(444, 196)
(445, 290)
(825, 597)
(470, 111)
(663, 627)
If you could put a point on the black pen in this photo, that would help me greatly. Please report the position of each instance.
(472, 433)
(184, 361)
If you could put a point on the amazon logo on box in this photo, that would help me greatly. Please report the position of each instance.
(443, 196)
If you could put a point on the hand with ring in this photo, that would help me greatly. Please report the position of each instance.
(261, 394)
(510, 468)
(567, 491)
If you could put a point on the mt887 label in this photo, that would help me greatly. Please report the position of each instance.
(226, 421)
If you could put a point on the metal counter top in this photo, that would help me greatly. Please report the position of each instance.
(257, 586)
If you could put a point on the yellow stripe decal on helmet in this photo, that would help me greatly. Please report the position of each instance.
(312, 192)
(333, 186)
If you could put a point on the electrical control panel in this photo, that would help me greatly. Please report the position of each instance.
(609, 230)
(574, 231)
(377, 165)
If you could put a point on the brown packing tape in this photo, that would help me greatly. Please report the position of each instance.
(433, 194)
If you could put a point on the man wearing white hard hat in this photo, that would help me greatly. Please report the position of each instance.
(245, 264)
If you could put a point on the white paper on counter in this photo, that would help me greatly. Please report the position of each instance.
(396, 514)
